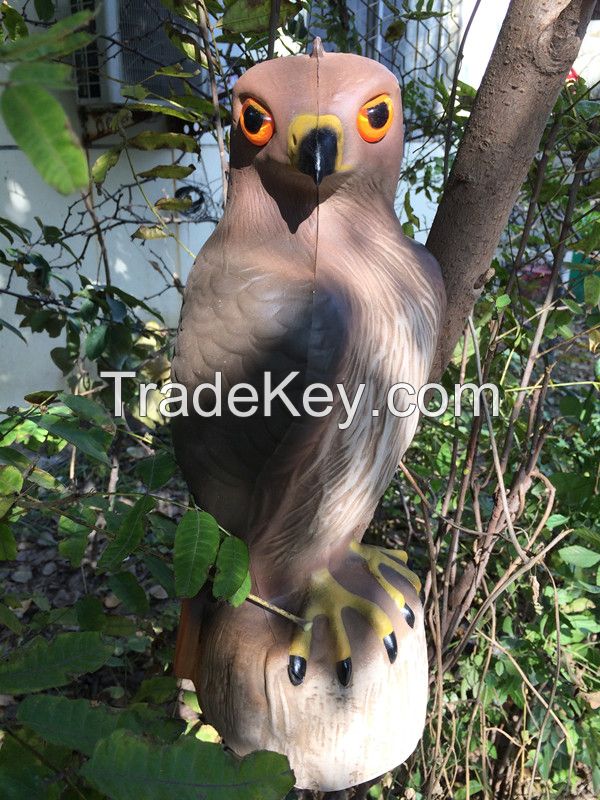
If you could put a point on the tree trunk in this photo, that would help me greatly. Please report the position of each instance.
(537, 45)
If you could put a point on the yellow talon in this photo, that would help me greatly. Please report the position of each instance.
(376, 557)
(329, 598)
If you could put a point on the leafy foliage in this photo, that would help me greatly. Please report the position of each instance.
(123, 762)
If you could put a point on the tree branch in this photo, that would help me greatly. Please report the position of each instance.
(537, 45)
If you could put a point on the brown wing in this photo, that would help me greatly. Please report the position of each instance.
(242, 321)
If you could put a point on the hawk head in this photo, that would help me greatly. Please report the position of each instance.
(319, 121)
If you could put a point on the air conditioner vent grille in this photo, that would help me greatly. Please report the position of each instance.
(132, 44)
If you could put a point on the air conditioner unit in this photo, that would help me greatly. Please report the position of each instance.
(131, 43)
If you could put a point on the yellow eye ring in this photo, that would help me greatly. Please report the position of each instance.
(375, 118)
(256, 122)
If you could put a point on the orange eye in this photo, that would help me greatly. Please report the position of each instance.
(375, 118)
(257, 123)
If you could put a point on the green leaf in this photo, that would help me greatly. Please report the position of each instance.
(10, 619)
(173, 203)
(88, 409)
(11, 480)
(73, 546)
(188, 769)
(167, 171)
(151, 140)
(59, 39)
(579, 556)
(129, 535)
(502, 301)
(554, 520)
(591, 289)
(96, 342)
(14, 23)
(104, 163)
(42, 73)
(93, 443)
(253, 16)
(395, 31)
(44, 9)
(185, 43)
(176, 71)
(8, 545)
(45, 665)
(12, 329)
(90, 614)
(161, 572)
(232, 567)
(196, 543)
(589, 536)
(183, 8)
(70, 723)
(42, 130)
(242, 593)
(166, 111)
(160, 689)
(22, 774)
(156, 470)
(150, 232)
(135, 91)
(129, 592)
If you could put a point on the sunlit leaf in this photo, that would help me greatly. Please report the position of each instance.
(579, 556)
(104, 163)
(173, 203)
(135, 91)
(11, 480)
(591, 289)
(147, 232)
(151, 140)
(167, 171)
(166, 111)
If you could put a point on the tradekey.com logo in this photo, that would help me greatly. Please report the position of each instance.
(318, 399)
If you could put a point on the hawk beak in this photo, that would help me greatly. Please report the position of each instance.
(315, 145)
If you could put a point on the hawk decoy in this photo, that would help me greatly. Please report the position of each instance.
(309, 278)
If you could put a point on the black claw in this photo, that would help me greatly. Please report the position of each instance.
(409, 615)
(391, 645)
(344, 671)
(296, 669)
